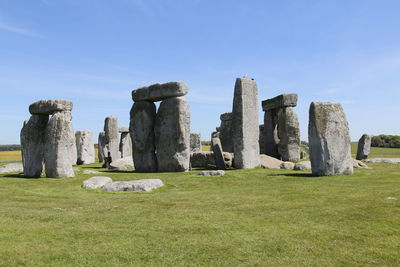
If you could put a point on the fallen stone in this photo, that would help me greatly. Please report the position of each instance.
(48, 107)
(122, 164)
(84, 147)
(329, 140)
(364, 146)
(287, 165)
(112, 137)
(212, 173)
(268, 162)
(160, 91)
(96, 182)
(281, 101)
(384, 160)
(32, 145)
(302, 165)
(172, 134)
(228, 159)
(142, 121)
(245, 124)
(195, 142)
(359, 164)
(134, 185)
(91, 172)
(12, 167)
(218, 153)
(202, 159)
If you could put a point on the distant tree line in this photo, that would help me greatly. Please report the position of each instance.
(383, 140)
(10, 147)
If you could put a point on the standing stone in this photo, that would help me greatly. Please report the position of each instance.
(60, 148)
(217, 150)
(225, 130)
(84, 147)
(102, 147)
(172, 132)
(303, 155)
(125, 145)
(271, 138)
(245, 124)
(142, 121)
(364, 146)
(195, 142)
(329, 140)
(112, 136)
(261, 139)
(32, 144)
(289, 135)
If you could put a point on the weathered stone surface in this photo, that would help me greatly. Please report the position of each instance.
(122, 164)
(217, 150)
(287, 165)
(281, 101)
(123, 129)
(96, 182)
(112, 137)
(202, 159)
(329, 140)
(32, 145)
(125, 145)
(383, 160)
(302, 165)
(268, 162)
(225, 130)
(142, 121)
(47, 107)
(195, 142)
(261, 139)
(134, 185)
(91, 172)
(271, 138)
(303, 155)
(245, 124)
(228, 159)
(11, 167)
(102, 148)
(84, 147)
(364, 146)
(160, 91)
(289, 135)
(359, 164)
(212, 173)
(59, 149)
(172, 132)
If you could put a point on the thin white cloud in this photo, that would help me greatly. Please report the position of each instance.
(13, 29)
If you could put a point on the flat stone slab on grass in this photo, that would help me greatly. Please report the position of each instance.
(160, 91)
(47, 107)
(269, 162)
(212, 173)
(122, 164)
(11, 167)
(302, 165)
(90, 172)
(383, 160)
(359, 164)
(134, 185)
(96, 182)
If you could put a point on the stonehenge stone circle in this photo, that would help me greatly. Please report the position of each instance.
(102, 151)
(48, 107)
(160, 91)
(84, 147)
(245, 124)
(125, 145)
(59, 146)
(112, 137)
(142, 121)
(281, 128)
(364, 146)
(195, 142)
(329, 140)
(225, 130)
(32, 144)
(172, 134)
(217, 150)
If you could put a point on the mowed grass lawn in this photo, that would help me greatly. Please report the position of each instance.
(247, 217)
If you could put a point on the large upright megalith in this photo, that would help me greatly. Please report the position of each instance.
(102, 151)
(112, 136)
(60, 148)
(329, 140)
(172, 133)
(32, 143)
(84, 147)
(225, 130)
(125, 143)
(195, 142)
(142, 121)
(245, 124)
(364, 146)
(289, 135)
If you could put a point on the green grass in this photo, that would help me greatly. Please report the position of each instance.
(248, 217)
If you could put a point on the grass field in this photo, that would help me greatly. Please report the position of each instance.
(248, 217)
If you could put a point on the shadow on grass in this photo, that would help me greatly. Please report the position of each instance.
(303, 175)
(19, 175)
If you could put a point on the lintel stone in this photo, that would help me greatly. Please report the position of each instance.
(280, 101)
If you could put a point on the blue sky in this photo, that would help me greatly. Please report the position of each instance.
(96, 52)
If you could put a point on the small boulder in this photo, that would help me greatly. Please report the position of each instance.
(302, 165)
(287, 165)
(96, 182)
(268, 162)
(122, 164)
(134, 185)
(359, 164)
(212, 173)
